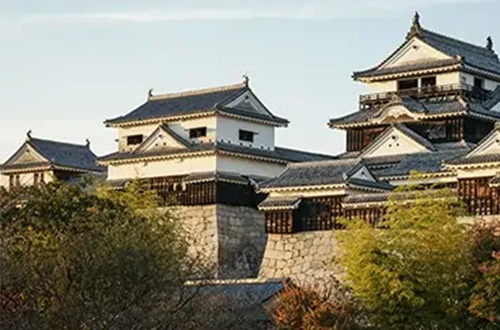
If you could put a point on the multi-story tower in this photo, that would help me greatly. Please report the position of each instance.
(205, 150)
(40, 161)
(434, 110)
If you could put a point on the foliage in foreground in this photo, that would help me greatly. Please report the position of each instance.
(78, 259)
(315, 308)
(418, 268)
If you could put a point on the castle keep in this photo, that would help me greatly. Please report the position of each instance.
(256, 209)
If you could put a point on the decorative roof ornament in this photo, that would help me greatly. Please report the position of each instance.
(87, 143)
(150, 92)
(416, 29)
(246, 79)
(28, 135)
(489, 43)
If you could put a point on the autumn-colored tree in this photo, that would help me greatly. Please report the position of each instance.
(314, 308)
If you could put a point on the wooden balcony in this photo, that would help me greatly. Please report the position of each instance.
(375, 100)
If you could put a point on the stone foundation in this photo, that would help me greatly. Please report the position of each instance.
(303, 257)
(230, 240)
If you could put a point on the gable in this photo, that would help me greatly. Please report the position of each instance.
(26, 155)
(396, 113)
(491, 145)
(414, 51)
(161, 139)
(393, 142)
(248, 101)
(363, 173)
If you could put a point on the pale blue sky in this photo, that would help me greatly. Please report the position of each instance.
(65, 66)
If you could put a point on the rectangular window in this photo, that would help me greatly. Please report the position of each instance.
(407, 84)
(197, 132)
(18, 180)
(134, 139)
(428, 81)
(11, 181)
(478, 83)
(246, 135)
(42, 179)
(36, 178)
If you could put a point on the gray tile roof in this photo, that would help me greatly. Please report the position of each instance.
(244, 295)
(280, 202)
(460, 51)
(479, 159)
(365, 198)
(62, 154)
(479, 57)
(315, 173)
(209, 176)
(195, 102)
(280, 154)
(423, 107)
(402, 165)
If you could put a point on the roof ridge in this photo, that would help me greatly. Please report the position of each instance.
(59, 142)
(200, 91)
(466, 43)
(324, 162)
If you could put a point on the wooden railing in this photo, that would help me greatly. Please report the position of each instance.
(369, 101)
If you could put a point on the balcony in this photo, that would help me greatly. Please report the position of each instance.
(375, 100)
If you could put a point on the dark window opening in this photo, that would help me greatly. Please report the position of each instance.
(246, 135)
(11, 181)
(428, 81)
(197, 132)
(134, 139)
(478, 83)
(407, 84)
(36, 178)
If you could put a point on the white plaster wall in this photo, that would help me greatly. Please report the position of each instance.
(177, 166)
(228, 130)
(476, 173)
(383, 86)
(123, 132)
(248, 167)
(182, 128)
(468, 79)
(26, 179)
(400, 145)
(448, 78)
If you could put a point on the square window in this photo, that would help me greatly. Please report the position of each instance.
(407, 84)
(134, 139)
(197, 132)
(246, 135)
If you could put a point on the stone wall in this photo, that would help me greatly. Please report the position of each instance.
(304, 257)
(230, 240)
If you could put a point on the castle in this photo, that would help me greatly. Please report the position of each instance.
(255, 209)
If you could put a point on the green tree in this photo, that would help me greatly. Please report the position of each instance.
(416, 269)
(76, 258)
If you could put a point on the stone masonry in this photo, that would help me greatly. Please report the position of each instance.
(229, 239)
(305, 257)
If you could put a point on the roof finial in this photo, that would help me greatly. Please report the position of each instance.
(87, 143)
(489, 43)
(246, 79)
(416, 29)
(150, 92)
(28, 135)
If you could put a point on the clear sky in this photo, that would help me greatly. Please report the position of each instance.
(66, 66)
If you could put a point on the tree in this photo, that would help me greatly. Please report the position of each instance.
(315, 308)
(416, 269)
(75, 258)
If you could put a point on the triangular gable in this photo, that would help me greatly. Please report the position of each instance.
(363, 173)
(489, 145)
(26, 154)
(395, 141)
(248, 101)
(162, 138)
(413, 50)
